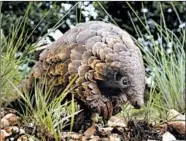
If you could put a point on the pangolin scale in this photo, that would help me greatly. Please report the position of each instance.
(109, 66)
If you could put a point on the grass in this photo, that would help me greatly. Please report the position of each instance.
(166, 59)
(9, 64)
(48, 113)
(51, 115)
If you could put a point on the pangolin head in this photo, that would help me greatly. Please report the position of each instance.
(136, 79)
(135, 71)
(125, 79)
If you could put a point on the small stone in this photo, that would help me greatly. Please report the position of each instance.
(12, 118)
(2, 137)
(168, 137)
(9, 116)
(179, 126)
(153, 123)
(90, 131)
(116, 121)
(175, 115)
(31, 124)
(107, 129)
(84, 138)
(95, 138)
(4, 134)
(14, 129)
(4, 123)
(115, 137)
(75, 136)
(31, 139)
(10, 130)
(22, 131)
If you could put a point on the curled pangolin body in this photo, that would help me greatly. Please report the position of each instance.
(108, 63)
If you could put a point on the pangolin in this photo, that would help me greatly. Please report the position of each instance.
(108, 65)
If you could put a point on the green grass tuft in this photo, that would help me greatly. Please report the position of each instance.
(165, 57)
(48, 112)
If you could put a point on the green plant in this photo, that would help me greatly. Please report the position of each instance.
(10, 59)
(165, 57)
(12, 55)
(48, 111)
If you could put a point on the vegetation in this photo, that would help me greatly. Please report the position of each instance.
(164, 58)
(49, 14)
(47, 113)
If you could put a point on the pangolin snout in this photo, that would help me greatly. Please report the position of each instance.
(137, 103)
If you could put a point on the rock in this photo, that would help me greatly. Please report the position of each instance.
(117, 121)
(107, 130)
(84, 138)
(4, 123)
(23, 138)
(175, 115)
(95, 138)
(167, 136)
(176, 122)
(4, 134)
(178, 126)
(115, 137)
(9, 130)
(90, 131)
(12, 119)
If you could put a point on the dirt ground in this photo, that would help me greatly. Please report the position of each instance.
(12, 128)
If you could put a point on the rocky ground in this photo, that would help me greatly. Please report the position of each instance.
(12, 128)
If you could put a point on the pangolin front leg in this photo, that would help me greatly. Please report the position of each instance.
(96, 101)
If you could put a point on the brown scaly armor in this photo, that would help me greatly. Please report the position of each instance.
(109, 66)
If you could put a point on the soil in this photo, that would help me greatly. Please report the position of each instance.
(133, 130)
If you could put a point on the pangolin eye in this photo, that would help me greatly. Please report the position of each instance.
(125, 80)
